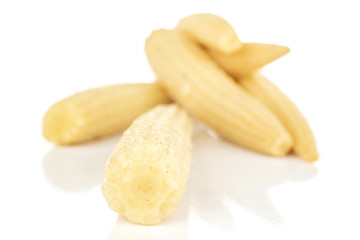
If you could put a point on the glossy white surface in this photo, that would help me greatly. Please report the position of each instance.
(50, 49)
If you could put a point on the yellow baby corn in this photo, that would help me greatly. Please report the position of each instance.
(211, 31)
(286, 111)
(250, 57)
(99, 112)
(193, 80)
(146, 175)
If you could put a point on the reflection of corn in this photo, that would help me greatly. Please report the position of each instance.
(250, 57)
(146, 175)
(99, 112)
(211, 31)
(204, 89)
(286, 111)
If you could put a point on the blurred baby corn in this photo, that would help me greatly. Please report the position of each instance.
(243, 64)
(197, 64)
(286, 111)
(211, 31)
(99, 112)
(251, 57)
(194, 81)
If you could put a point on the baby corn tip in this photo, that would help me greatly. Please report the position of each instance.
(282, 146)
(56, 125)
(310, 156)
(230, 45)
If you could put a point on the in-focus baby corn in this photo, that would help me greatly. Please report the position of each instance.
(146, 175)
(99, 112)
(193, 80)
(286, 111)
(211, 31)
(249, 58)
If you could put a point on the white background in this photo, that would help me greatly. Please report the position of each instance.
(51, 49)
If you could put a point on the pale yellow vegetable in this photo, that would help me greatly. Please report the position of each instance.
(286, 111)
(99, 112)
(194, 81)
(211, 31)
(146, 175)
(249, 58)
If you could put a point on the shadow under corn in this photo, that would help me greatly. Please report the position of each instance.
(78, 167)
(222, 172)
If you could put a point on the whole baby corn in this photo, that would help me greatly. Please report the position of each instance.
(146, 175)
(99, 112)
(286, 111)
(211, 31)
(193, 80)
(249, 58)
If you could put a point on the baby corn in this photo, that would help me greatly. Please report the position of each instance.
(99, 112)
(250, 57)
(193, 80)
(211, 31)
(286, 111)
(146, 175)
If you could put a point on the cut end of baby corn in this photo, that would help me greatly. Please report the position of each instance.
(198, 84)
(146, 175)
(211, 31)
(99, 112)
(145, 193)
(286, 111)
(249, 58)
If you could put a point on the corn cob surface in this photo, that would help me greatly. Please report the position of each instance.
(286, 111)
(249, 58)
(99, 112)
(193, 80)
(146, 175)
(211, 31)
